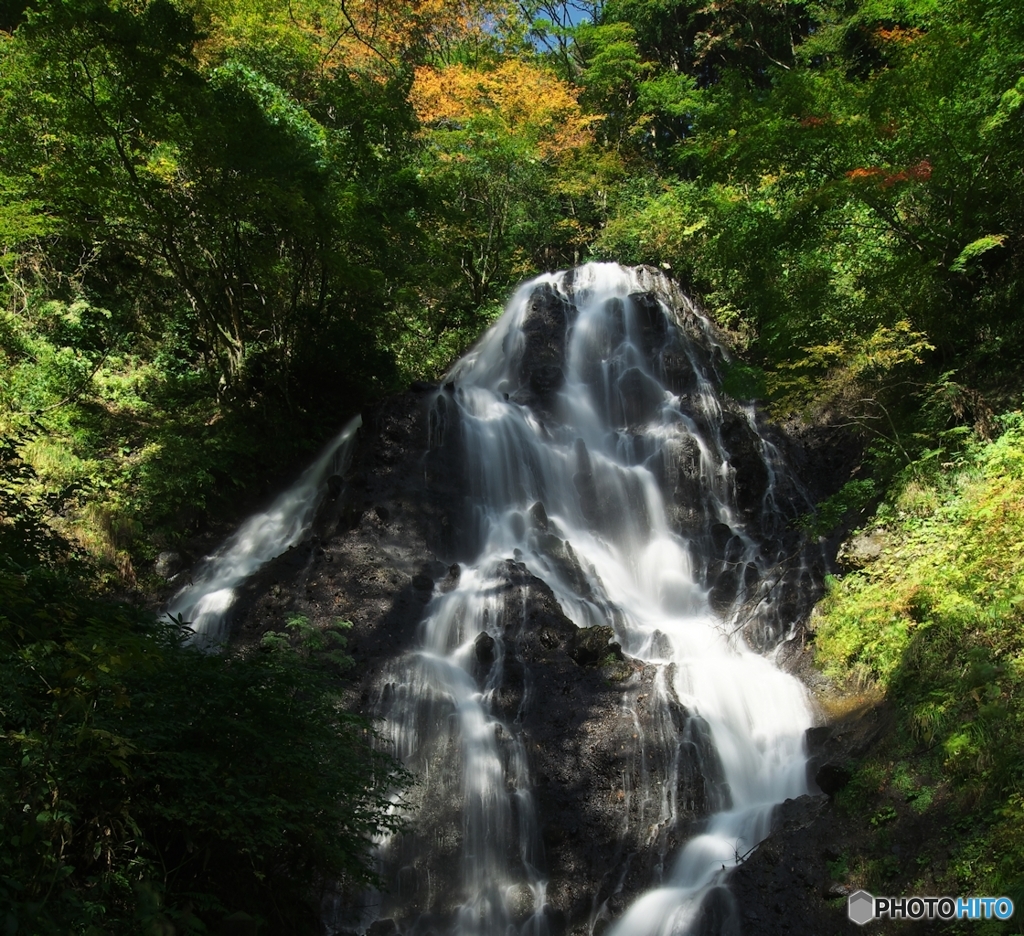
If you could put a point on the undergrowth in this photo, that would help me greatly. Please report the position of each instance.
(937, 625)
(149, 788)
(143, 451)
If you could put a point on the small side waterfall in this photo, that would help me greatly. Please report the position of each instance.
(205, 602)
(600, 459)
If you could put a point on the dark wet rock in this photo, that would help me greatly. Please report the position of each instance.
(650, 318)
(784, 885)
(639, 397)
(451, 579)
(824, 457)
(583, 481)
(334, 485)
(677, 469)
(702, 788)
(831, 778)
(545, 379)
(386, 927)
(661, 646)
(594, 645)
(718, 915)
(423, 582)
(545, 328)
(837, 746)
(721, 534)
(483, 647)
(564, 562)
(435, 569)
(817, 737)
(751, 473)
(724, 590)
(799, 813)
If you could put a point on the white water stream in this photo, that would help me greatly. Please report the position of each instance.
(594, 446)
(205, 601)
(588, 460)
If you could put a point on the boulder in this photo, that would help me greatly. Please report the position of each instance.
(862, 549)
(831, 778)
(168, 564)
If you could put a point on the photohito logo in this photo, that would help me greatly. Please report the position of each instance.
(861, 907)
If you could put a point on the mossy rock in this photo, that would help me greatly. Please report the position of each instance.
(595, 646)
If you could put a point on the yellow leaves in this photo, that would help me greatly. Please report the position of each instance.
(517, 98)
(573, 232)
(162, 166)
(888, 347)
(356, 36)
(840, 373)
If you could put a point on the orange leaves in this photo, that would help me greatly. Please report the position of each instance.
(440, 96)
(518, 98)
(919, 172)
(398, 27)
(861, 173)
(898, 34)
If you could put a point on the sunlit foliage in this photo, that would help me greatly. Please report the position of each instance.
(936, 622)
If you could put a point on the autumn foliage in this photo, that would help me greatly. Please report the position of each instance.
(355, 36)
(524, 99)
(920, 171)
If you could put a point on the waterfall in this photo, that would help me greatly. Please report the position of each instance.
(599, 459)
(205, 602)
(615, 529)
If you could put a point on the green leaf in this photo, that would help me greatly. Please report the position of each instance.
(974, 250)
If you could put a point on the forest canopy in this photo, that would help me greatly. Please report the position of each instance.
(231, 214)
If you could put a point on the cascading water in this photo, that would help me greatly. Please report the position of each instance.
(613, 527)
(600, 459)
(205, 602)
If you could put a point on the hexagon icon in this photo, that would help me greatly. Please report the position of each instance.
(860, 907)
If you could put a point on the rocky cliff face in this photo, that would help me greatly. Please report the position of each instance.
(399, 528)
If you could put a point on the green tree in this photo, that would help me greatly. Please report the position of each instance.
(864, 182)
(504, 146)
(207, 251)
(216, 179)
